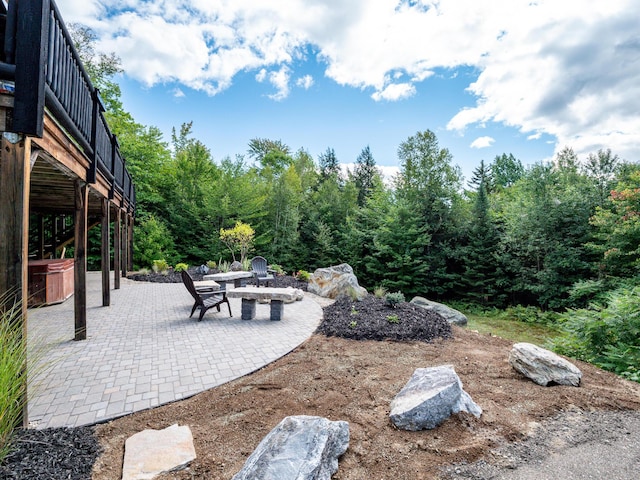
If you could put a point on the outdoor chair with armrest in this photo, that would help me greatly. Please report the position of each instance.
(204, 299)
(260, 272)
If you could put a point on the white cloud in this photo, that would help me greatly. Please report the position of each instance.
(178, 93)
(482, 142)
(545, 67)
(86, 12)
(261, 76)
(280, 80)
(305, 82)
(394, 91)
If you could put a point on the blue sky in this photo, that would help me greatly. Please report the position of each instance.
(486, 76)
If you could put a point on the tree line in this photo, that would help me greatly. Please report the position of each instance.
(554, 234)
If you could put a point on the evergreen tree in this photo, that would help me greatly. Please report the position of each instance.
(365, 175)
(481, 176)
(329, 166)
(399, 251)
(480, 265)
(428, 185)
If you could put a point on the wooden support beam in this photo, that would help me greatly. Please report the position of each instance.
(14, 231)
(106, 254)
(124, 246)
(40, 236)
(80, 253)
(117, 235)
(130, 255)
(54, 235)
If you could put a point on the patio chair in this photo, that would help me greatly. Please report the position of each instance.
(204, 299)
(260, 272)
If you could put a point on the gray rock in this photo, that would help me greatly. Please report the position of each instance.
(152, 452)
(299, 448)
(542, 366)
(450, 315)
(430, 397)
(235, 266)
(299, 294)
(331, 282)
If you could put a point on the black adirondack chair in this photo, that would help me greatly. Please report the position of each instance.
(260, 273)
(204, 299)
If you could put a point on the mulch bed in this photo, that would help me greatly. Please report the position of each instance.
(373, 319)
(52, 454)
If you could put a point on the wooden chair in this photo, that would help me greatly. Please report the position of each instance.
(204, 299)
(260, 272)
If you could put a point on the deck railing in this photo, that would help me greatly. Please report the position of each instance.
(39, 56)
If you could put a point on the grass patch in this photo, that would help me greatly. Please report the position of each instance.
(512, 329)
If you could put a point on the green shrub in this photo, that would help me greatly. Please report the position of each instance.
(160, 266)
(607, 336)
(17, 369)
(277, 269)
(13, 364)
(246, 265)
(181, 267)
(380, 292)
(211, 264)
(152, 240)
(532, 315)
(224, 266)
(303, 275)
(393, 299)
(393, 319)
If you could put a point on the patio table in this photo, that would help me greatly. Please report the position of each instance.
(239, 279)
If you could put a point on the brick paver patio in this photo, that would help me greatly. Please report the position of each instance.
(143, 351)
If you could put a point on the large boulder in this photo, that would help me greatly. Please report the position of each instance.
(430, 397)
(300, 447)
(331, 282)
(542, 366)
(450, 314)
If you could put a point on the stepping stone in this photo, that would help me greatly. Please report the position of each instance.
(152, 452)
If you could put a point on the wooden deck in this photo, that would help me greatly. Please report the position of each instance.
(58, 158)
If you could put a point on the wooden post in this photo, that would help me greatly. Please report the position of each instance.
(40, 236)
(106, 254)
(123, 245)
(130, 254)
(14, 234)
(80, 252)
(117, 232)
(54, 236)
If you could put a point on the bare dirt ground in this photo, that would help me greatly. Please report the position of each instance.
(355, 380)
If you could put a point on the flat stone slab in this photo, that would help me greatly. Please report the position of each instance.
(152, 452)
(227, 276)
(263, 293)
(207, 284)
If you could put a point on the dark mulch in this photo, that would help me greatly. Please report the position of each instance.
(52, 454)
(373, 319)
